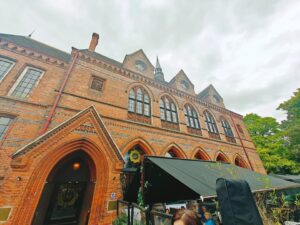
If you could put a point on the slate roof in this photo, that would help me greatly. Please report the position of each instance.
(37, 46)
(101, 57)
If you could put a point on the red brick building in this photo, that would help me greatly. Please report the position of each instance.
(69, 123)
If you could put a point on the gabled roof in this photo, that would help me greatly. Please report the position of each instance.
(63, 125)
(205, 92)
(37, 46)
(181, 72)
(101, 57)
(143, 53)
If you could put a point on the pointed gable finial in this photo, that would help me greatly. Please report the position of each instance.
(158, 74)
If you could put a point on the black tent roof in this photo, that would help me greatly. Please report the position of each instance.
(171, 179)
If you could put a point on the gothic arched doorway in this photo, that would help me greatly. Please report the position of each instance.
(68, 192)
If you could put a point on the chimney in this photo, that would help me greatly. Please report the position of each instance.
(94, 42)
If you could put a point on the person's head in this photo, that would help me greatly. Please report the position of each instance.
(207, 215)
(204, 209)
(186, 217)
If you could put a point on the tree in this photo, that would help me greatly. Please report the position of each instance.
(292, 124)
(271, 144)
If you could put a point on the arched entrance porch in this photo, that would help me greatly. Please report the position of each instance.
(68, 192)
(46, 166)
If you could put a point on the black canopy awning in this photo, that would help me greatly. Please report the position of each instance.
(171, 179)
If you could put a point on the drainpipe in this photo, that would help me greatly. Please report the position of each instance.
(236, 130)
(59, 94)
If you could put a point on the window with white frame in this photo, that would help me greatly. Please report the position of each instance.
(26, 82)
(5, 67)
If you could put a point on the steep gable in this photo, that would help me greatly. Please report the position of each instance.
(210, 94)
(182, 82)
(138, 62)
(85, 124)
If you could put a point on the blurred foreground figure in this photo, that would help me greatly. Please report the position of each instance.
(237, 203)
(186, 217)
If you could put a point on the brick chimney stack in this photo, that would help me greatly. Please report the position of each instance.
(94, 42)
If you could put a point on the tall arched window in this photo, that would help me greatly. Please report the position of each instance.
(227, 130)
(191, 119)
(139, 105)
(168, 113)
(211, 125)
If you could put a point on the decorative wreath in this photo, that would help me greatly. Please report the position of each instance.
(135, 156)
(67, 197)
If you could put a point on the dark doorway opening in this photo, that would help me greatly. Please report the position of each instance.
(67, 194)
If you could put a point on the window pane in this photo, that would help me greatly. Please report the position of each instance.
(146, 98)
(139, 108)
(184, 110)
(189, 111)
(146, 110)
(26, 84)
(4, 123)
(194, 114)
(168, 114)
(192, 122)
(4, 67)
(187, 121)
(174, 117)
(173, 107)
(131, 105)
(162, 114)
(161, 103)
(167, 103)
(132, 94)
(196, 123)
(139, 95)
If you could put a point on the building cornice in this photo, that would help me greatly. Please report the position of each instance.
(11, 46)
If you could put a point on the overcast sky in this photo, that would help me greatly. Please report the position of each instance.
(248, 49)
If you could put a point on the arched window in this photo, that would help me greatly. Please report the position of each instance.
(221, 158)
(240, 162)
(168, 113)
(191, 119)
(211, 125)
(227, 130)
(133, 157)
(171, 154)
(201, 156)
(139, 105)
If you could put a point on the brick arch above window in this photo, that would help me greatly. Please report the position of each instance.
(221, 157)
(147, 148)
(139, 105)
(174, 151)
(239, 161)
(199, 153)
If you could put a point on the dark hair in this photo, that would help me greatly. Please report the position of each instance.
(188, 217)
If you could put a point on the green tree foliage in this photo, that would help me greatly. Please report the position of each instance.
(291, 125)
(271, 144)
